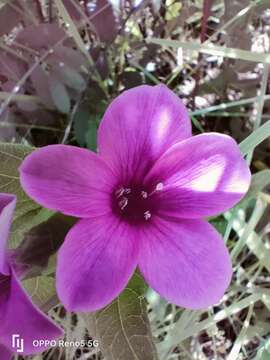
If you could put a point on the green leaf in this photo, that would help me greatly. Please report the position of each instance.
(91, 135)
(27, 211)
(122, 328)
(42, 291)
(11, 157)
(60, 95)
(255, 138)
(219, 224)
(71, 78)
(81, 120)
(85, 127)
(22, 224)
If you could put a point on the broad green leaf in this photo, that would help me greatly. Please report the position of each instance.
(60, 95)
(71, 78)
(86, 121)
(122, 328)
(91, 135)
(27, 213)
(22, 224)
(81, 124)
(42, 291)
(219, 224)
(11, 157)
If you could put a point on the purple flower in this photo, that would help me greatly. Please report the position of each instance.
(18, 315)
(141, 201)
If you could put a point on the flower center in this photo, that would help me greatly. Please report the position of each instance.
(133, 204)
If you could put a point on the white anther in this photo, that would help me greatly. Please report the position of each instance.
(147, 215)
(127, 190)
(144, 194)
(123, 203)
(159, 186)
(119, 192)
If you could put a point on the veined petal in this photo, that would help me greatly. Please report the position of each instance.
(69, 179)
(18, 315)
(95, 263)
(140, 125)
(185, 261)
(7, 206)
(198, 177)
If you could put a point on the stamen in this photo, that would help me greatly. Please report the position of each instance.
(144, 194)
(133, 204)
(123, 203)
(119, 192)
(159, 186)
(147, 215)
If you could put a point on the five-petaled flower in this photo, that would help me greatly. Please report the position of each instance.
(18, 315)
(141, 200)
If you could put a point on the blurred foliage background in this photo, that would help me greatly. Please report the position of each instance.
(61, 63)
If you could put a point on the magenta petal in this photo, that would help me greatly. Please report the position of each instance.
(7, 206)
(139, 125)
(18, 315)
(95, 263)
(186, 262)
(198, 177)
(68, 179)
(5, 353)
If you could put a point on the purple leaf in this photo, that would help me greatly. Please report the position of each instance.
(11, 70)
(9, 17)
(42, 241)
(72, 9)
(104, 21)
(71, 57)
(41, 36)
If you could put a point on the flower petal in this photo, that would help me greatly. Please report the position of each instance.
(5, 353)
(185, 261)
(68, 179)
(95, 263)
(200, 176)
(7, 207)
(18, 315)
(139, 126)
